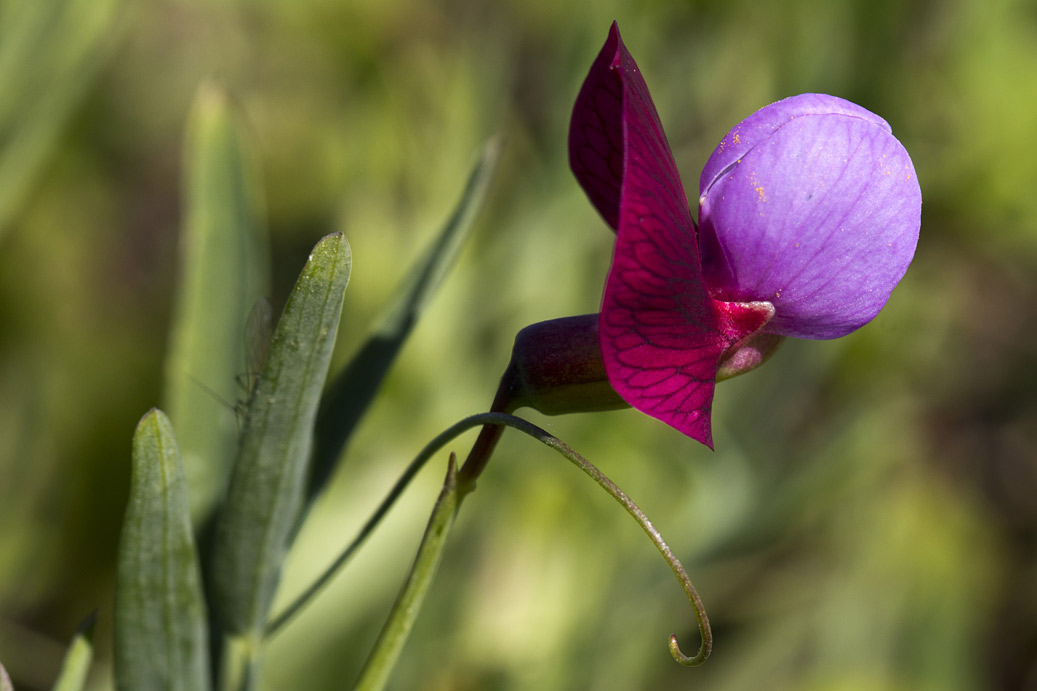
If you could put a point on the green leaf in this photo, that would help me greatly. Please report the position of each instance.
(267, 484)
(77, 659)
(223, 271)
(50, 53)
(355, 386)
(161, 641)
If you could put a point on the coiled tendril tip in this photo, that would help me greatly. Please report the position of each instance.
(687, 661)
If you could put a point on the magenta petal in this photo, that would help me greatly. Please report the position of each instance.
(660, 334)
(658, 331)
(596, 133)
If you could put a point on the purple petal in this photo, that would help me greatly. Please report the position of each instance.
(818, 213)
(762, 124)
(661, 334)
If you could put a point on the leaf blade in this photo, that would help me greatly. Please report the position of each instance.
(76, 665)
(223, 271)
(161, 639)
(355, 386)
(52, 52)
(267, 483)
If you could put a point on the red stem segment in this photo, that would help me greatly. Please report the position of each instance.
(489, 435)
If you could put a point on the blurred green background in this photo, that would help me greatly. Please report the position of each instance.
(869, 519)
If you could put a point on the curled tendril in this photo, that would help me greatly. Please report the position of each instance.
(493, 423)
(706, 646)
(678, 655)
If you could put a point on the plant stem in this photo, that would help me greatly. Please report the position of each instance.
(479, 456)
(493, 426)
(390, 642)
(474, 464)
(653, 533)
(457, 486)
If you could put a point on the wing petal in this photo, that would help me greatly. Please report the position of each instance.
(596, 133)
(661, 333)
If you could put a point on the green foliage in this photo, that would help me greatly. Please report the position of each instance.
(268, 481)
(354, 388)
(161, 640)
(266, 492)
(223, 268)
(50, 54)
(77, 660)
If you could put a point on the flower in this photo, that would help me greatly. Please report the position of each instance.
(809, 213)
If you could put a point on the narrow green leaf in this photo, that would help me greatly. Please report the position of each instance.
(355, 386)
(50, 53)
(267, 484)
(161, 641)
(223, 271)
(77, 661)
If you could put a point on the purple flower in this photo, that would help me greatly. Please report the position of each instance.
(809, 213)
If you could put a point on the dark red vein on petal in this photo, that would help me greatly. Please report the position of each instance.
(660, 335)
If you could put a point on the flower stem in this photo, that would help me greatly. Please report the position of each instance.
(457, 486)
(404, 613)
(474, 464)
(479, 456)
(653, 533)
(393, 637)
(492, 429)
